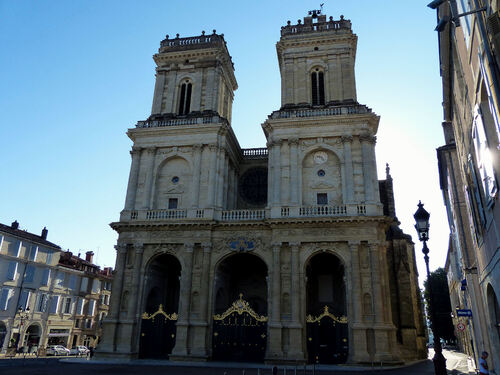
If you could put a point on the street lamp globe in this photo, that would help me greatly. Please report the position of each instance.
(422, 222)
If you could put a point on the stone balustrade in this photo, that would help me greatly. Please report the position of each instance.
(349, 210)
(194, 120)
(255, 153)
(315, 112)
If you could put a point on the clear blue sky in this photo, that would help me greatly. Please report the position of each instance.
(74, 75)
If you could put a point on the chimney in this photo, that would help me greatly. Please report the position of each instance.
(89, 256)
(15, 225)
(44, 233)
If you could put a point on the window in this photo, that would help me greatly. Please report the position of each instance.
(79, 306)
(77, 323)
(483, 157)
(91, 307)
(33, 253)
(322, 198)
(60, 279)
(5, 297)
(172, 203)
(84, 285)
(24, 300)
(317, 88)
(54, 304)
(49, 257)
(88, 323)
(106, 299)
(96, 286)
(14, 248)
(67, 306)
(72, 282)
(29, 273)
(491, 101)
(185, 98)
(42, 303)
(11, 271)
(46, 277)
(463, 6)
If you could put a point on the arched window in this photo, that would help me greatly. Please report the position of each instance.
(185, 98)
(318, 87)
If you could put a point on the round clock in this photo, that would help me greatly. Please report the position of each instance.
(320, 157)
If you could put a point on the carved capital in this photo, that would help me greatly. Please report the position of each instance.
(207, 247)
(139, 248)
(213, 147)
(135, 150)
(293, 141)
(121, 248)
(276, 246)
(367, 138)
(189, 247)
(151, 150)
(197, 147)
(346, 138)
(354, 245)
(294, 246)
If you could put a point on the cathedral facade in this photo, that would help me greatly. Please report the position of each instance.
(288, 253)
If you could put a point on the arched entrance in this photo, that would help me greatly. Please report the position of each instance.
(326, 319)
(32, 336)
(158, 328)
(494, 312)
(3, 334)
(240, 313)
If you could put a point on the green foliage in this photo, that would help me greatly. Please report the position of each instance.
(442, 305)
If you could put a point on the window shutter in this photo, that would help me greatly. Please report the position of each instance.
(79, 306)
(46, 276)
(11, 271)
(24, 301)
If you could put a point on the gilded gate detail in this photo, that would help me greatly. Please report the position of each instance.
(239, 334)
(158, 331)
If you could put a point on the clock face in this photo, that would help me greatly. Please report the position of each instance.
(320, 157)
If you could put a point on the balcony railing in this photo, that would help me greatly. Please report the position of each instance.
(194, 120)
(314, 112)
(347, 210)
(255, 153)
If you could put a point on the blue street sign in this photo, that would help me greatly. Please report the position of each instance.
(464, 313)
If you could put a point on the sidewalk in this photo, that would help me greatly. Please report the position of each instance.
(456, 362)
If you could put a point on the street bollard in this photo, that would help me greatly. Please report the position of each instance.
(305, 369)
(284, 370)
(314, 368)
(295, 372)
(258, 371)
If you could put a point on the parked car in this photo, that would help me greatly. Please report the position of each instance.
(79, 350)
(57, 350)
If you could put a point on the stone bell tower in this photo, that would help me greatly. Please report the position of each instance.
(316, 60)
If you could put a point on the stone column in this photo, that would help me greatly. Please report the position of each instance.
(220, 177)
(294, 168)
(109, 342)
(212, 176)
(133, 177)
(195, 200)
(136, 278)
(357, 348)
(180, 349)
(225, 182)
(270, 173)
(348, 170)
(274, 350)
(158, 94)
(295, 351)
(151, 155)
(376, 285)
(200, 341)
(367, 142)
(277, 173)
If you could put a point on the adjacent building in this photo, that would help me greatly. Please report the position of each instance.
(287, 253)
(469, 51)
(48, 296)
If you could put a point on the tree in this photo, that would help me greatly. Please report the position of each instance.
(443, 326)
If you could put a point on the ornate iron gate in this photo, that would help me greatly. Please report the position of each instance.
(327, 338)
(239, 334)
(157, 334)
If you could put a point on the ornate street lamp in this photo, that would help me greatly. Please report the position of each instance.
(422, 227)
(23, 314)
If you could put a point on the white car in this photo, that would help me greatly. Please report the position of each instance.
(79, 350)
(57, 350)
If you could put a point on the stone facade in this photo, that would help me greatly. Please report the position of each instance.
(297, 229)
(468, 166)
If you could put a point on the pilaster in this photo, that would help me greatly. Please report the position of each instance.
(367, 144)
(181, 344)
(195, 199)
(294, 179)
(348, 169)
(295, 351)
(133, 178)
(274, 349)
(151, 155)
(212, 176)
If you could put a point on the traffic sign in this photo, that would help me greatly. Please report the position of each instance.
(460, 326)
(464, 312)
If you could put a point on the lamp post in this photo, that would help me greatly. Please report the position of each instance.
(23, 315)
(422, 226)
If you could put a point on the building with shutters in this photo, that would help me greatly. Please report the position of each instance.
(469, 165)
(47, 296)
(287, 253)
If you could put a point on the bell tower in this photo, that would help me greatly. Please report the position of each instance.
(194, 76)
(316, 60)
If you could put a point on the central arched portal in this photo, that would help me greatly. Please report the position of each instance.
(158, 326)
(327, 332)
(240, 312)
